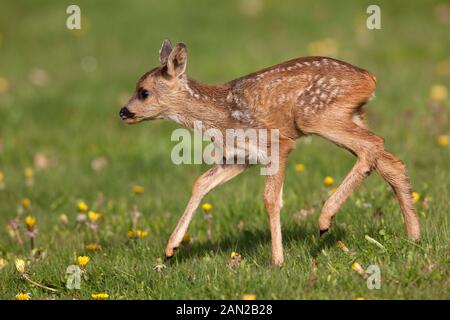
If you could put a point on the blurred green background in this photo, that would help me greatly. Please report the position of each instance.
(60, 93)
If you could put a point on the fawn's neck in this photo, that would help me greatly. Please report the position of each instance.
(206, 103)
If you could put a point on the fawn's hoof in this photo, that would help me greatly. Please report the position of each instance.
(170, 252)
(167, 258)
(322, 232)
(413, 232)
(277, 264)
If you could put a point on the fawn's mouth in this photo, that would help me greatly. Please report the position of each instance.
(136, 120)
(131, 120)
(128, 116)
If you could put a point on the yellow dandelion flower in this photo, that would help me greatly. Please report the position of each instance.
(438, 92)
(299, 167)
(23, 296)
(83, 261)
(357, 267)
(82, 206)
(93, 247)
(207, 207)
(248, 296)
(234, 254)
(30, 221)
(28, 173)
(142, 234)
(26, 203)
(186, 239)
(2, 176)
(99, 296)
(328, 181)
(137, 234)
(3, 263)
(443, 140)
(137, 189)
(416, 197)
(94, 216)
(4, 85)
(360, 298)
(20, 265)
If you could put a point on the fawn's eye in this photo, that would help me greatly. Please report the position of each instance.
(143, 94)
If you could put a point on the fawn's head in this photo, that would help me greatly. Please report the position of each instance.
(161, 89)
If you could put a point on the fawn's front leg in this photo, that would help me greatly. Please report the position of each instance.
(273, 190)
(205, 183)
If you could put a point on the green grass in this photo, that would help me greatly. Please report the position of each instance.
(74, 119)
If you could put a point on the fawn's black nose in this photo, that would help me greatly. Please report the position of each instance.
(125, 113)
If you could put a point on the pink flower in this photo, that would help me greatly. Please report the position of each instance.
(81, 217)
(32, 234)
(92, 225)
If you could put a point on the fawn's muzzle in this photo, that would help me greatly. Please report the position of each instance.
(126, 114)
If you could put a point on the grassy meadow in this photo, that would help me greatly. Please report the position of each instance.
(62, 143)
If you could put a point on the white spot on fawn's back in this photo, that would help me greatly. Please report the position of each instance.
(237, 114)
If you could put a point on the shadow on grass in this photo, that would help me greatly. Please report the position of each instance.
(248, 242)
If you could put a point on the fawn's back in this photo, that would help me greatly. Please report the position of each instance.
(294, 94)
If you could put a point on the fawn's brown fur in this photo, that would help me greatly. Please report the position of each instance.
(311, 95)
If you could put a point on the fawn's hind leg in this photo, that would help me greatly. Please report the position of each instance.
(205, 183)
(371, 155)
(366, 146)
(393, 171)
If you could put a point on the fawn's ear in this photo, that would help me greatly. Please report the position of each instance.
(177, 60)
(164, 52)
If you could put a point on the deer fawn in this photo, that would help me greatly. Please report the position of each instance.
(311, 95)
